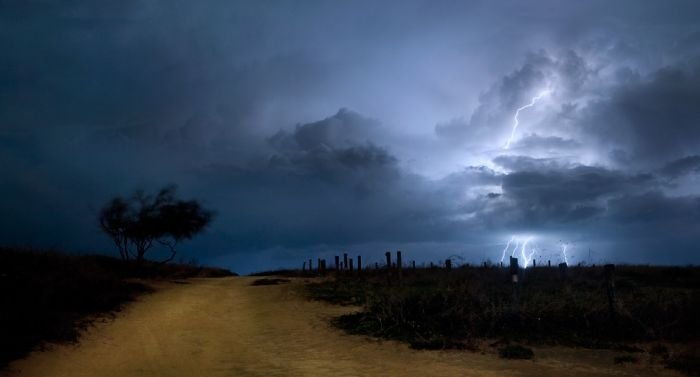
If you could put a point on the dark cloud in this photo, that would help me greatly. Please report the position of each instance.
(681, 167)
(652, 119)
(551, 196)
(537, 196)
(231, 100)
(323, 185)
(655, 207)
(332, 149)
(344, 128)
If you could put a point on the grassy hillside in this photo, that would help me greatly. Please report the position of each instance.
(47, 296)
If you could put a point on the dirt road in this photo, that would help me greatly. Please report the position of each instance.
(225, 327)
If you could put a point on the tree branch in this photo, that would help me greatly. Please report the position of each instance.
(171, 246)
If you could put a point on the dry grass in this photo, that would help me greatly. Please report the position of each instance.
(433, 308)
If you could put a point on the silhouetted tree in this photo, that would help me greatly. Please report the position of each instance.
(137, 222)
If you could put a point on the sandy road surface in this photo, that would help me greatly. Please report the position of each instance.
(225, 327)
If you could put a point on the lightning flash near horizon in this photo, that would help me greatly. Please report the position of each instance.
(522, 246)
(516, 120)
(524, 249)
(564, 246)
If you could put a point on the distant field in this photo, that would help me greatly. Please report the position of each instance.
(49, 297)
(646, 310)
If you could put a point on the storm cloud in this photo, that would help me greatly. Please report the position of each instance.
(312, 127)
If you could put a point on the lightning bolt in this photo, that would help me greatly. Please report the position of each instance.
(515, 248)
(564, 246)
(503, 256)
(519, 245)
(516, 121)
(523, 252)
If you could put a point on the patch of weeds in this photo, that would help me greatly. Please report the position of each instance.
(359, 324)
(430, 344)
(270, 281)
(340, 291)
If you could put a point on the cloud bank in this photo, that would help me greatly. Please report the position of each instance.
(313, 128)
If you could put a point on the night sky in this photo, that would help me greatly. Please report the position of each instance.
(317, 127)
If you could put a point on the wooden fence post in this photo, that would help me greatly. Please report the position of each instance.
(303, 267)
(388, 266)
(514, 268)
(359, 264)
(351, 268)
(345, 261)
(563, 271)
(399, 264)
(311, 268)
(448, 264)
(337, 263)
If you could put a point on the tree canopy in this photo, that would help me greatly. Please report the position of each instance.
(137, 222)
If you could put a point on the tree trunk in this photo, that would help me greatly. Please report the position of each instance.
(140, 252)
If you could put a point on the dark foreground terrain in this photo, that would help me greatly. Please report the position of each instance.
(650, 312)
(50, 297)
(231, 327)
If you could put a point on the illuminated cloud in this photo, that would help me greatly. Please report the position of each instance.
(313, 126)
